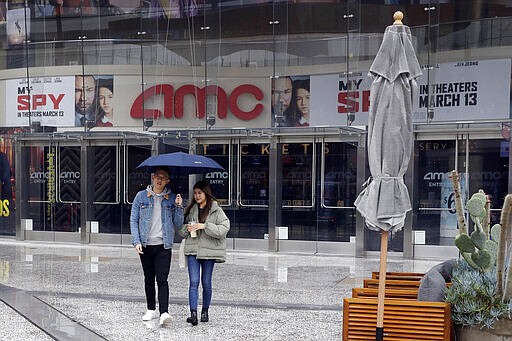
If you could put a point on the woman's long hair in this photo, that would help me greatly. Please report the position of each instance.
(294, 108)
(101, 83)
(207, 190)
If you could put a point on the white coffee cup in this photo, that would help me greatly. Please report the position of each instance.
(193, 233)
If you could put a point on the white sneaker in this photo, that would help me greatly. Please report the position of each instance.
(165, 319)
(150, 314)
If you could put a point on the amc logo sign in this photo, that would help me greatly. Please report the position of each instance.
(174, 99)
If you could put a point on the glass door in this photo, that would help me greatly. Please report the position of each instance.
(67, 178)
(482, 163)
(252, 186)
(488, 164)
(222, 182)
(242, 188)
(299, 168)
(132, 180)
(50, 195)
(338, 190)
(317, 178)
(104, 187)
(433, 191)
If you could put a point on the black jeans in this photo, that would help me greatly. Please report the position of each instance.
(156, 263)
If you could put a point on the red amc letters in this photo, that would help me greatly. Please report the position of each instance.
(173, 101)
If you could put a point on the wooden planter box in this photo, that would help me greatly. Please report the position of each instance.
(404, 320)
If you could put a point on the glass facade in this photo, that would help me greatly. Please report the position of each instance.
(225, 79)
(482, 164)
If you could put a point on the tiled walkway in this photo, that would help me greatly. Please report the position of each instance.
(76, 292)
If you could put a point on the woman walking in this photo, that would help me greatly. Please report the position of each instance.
(206, 228)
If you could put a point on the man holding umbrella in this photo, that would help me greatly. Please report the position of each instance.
(156, 212)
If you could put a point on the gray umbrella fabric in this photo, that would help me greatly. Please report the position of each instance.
(385, 201)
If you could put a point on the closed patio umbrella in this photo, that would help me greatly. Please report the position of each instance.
(385, 200)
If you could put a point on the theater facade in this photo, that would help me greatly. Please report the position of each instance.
(277, 92)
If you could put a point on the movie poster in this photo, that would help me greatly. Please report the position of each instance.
(7, 181)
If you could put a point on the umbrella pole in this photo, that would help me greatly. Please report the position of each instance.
(379, 332)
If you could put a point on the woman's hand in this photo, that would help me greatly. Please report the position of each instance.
(195, 227)
(191, 227)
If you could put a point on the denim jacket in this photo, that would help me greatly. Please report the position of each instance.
(140, 218)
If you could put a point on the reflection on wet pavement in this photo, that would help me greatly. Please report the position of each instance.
(87, 292)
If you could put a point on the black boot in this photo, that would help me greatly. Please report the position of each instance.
(204, 315)
(193, 317)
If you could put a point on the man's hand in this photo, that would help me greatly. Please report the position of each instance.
(138, 248)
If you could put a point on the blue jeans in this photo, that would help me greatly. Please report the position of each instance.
(203, 267)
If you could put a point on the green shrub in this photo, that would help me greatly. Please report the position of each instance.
(473, 297)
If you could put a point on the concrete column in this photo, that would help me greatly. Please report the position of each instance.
(84, 193)
(361, 178)
(21, 198)
(274, 193)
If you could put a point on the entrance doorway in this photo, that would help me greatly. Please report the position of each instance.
(317, 178)
(78, 188)
(67, 184)
(482, 163)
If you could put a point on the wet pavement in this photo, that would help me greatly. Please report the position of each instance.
(91, 292)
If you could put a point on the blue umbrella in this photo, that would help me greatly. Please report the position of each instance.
(180, 163)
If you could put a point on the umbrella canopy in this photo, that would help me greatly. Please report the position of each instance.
(385, 200)
(180, 163)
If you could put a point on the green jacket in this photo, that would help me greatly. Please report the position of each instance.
(210, 242)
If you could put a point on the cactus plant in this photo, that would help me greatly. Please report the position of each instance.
(458, 202)
(488, 251)
(504, 255)
(478, 249)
